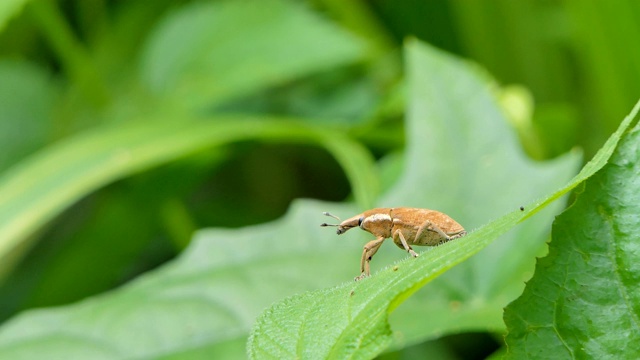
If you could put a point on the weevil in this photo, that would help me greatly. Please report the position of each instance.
(406, 226)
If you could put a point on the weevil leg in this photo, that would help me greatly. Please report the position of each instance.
(369, 250)
(406, 246)
(428, 226)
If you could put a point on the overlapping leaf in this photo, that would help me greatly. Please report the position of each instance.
(583, 301)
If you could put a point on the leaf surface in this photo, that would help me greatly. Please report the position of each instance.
(583, 301)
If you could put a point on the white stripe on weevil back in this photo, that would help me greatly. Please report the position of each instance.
(378, 217)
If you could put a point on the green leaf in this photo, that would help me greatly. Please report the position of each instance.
(583, 301)
(465, 161)
(208, 53)
(350, 321)
(42, 186)
(203, 302)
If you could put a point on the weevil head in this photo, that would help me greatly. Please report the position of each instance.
(377, 221)
(351, 222)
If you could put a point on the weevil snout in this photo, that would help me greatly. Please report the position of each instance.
(344, 225)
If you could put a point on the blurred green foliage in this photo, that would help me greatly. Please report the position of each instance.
(93, 71)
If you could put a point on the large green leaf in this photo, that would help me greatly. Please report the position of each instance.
(205, 301)
(207, 53)
(583, 301)
(465, 161)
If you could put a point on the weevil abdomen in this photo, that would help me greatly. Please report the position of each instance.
(425, 227)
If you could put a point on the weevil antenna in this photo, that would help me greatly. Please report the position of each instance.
(330, 215)
(325, 224)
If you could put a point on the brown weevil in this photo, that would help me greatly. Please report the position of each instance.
(406, 226)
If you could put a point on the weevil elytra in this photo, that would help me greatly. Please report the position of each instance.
(406, 226)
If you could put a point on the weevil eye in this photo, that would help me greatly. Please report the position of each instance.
(360, 220)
